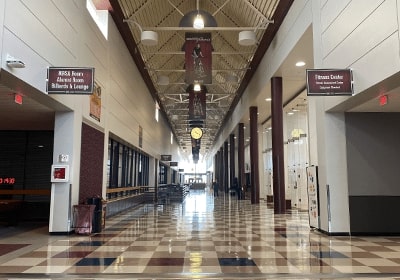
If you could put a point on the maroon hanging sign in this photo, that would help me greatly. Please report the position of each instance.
(198, 58)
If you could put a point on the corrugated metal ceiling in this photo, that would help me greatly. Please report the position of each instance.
(167, 59)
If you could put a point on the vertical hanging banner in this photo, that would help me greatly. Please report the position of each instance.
(197, 103)
(140, 136)
(95, 103)
(198, 58)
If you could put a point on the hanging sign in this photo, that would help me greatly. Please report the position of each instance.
(198, 58)
(329, 82)
(95, 103)
(166, 157)
(68, 80)
(197, 103)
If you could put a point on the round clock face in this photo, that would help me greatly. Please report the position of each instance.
(196, 133)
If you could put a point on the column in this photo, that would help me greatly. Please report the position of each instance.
(232, 157)
(67, 142)
(255, 181)
(241, 175)
(221, 170)
(226, 169)
(278, 166)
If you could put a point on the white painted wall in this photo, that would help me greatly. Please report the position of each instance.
(293, 27)
(62, 33)
(362, 35)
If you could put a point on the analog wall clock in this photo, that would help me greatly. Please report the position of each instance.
(196, 133)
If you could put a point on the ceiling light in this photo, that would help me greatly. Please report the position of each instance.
(268, 99)
(188, 19)
(149, 38)
(198, 22)
(231, 79)
(197, 87)
(163, 80)
(247, 38)
(300, 63)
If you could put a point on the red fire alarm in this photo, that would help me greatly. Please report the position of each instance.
(18, 98)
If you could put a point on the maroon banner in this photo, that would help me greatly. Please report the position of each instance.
(197, 104)
(329, 82)
(198, 58)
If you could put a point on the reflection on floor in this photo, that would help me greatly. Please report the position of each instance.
(202, 238)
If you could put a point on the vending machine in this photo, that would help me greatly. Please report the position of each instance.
(313, 196)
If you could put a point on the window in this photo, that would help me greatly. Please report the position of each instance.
(157, 111)
(100, 17)
(126, 166)
(162, 178)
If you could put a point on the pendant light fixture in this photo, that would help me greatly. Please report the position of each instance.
(198, 22)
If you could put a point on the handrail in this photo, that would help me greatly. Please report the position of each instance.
(115, 190)
(27, 192)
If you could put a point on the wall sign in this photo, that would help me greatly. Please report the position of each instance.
(68, 80)
(329, 82)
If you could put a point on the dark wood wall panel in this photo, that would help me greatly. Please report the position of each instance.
(92, 154)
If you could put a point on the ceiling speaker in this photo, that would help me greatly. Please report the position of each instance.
(149, 38)
(247, 38)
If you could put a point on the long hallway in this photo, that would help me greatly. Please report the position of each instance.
(202, 238)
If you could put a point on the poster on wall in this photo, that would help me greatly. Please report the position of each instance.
(198, 58)
(95, 103)
(313, 195)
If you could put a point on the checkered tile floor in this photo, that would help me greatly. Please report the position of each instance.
(202, 238)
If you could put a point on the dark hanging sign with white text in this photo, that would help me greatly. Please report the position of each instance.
(330, 82)
(68, 80)
(166, 157)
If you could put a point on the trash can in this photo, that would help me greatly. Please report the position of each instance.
(83, 218)
(99, 213)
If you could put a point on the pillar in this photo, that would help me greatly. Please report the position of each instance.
(278, 166)
(226, 169)
(255, 181)
(241, 175)
(232, 157)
